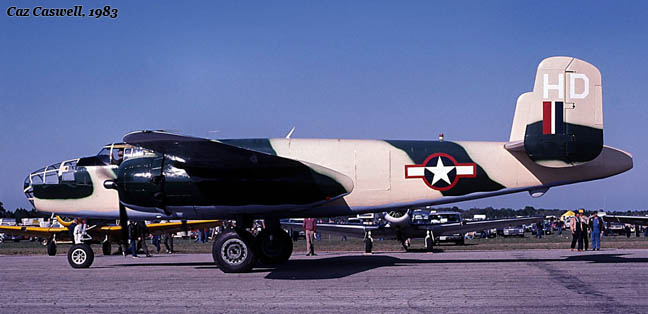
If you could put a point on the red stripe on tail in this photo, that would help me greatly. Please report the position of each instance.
(546, 117)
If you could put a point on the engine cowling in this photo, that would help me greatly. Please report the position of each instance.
(398, 216)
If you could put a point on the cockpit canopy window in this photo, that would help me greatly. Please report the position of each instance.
(118, 152)
(104, 156)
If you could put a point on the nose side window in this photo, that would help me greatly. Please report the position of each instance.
(68, 171)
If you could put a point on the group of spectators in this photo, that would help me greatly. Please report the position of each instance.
(583, 228)
(137, 235)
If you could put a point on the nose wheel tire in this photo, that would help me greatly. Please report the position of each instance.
(274, 247)
(234, 252)
(80, 256)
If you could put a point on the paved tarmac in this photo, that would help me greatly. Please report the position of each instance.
(529, 281)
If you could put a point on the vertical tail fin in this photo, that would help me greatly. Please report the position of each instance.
(561, 121)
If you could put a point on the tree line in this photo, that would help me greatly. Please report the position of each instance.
(20, 213)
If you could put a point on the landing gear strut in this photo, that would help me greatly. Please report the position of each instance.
(80, 256)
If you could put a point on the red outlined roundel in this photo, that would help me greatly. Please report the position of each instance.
(440, 171)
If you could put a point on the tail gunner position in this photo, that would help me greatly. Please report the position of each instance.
(556, 139)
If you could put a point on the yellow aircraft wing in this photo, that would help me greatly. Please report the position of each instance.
(113, 231)
(172, 227)
(164, 227)
(40, 232)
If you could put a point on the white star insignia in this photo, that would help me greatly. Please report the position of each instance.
(440, 172)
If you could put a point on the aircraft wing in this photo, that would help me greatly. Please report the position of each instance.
(386, 231)
(173, 227)
(160, 228)
(635, 220)
(257, 170)
(357, 231)
(468, 226)
(41, 232)
(201, 152)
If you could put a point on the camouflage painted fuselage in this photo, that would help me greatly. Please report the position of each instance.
(369, 176)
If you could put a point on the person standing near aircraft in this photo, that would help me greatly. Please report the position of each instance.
(79, 230)
(133, 235)
(167, 238)
(71, 227)
(142, 233)
(310, 227)
(596, 225)
(576, 230)
(584, 228)
(156, 242)
(539, 229)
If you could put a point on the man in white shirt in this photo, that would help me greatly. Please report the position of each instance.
(79, 231)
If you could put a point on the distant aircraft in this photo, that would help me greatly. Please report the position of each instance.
(633, 220)
(434, 225)
(101, 232)
(556, 139)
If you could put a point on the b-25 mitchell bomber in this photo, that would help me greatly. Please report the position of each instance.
(556, 139)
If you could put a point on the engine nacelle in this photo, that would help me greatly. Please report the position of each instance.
(398, 217)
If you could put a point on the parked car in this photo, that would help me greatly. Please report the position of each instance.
(517, 231)
(457, 238)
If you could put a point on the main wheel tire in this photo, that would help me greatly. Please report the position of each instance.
(51, 248)
(106, 248)
(274, 248)
(234, 252)
(80, 256)
(368, 246)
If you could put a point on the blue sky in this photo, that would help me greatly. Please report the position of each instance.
(340, 69)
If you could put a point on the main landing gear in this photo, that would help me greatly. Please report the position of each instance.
(51, 246)
(429, 241)
(237, 250)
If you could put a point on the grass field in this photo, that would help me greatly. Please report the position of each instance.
(332, 243)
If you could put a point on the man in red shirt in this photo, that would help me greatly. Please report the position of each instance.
(310, 227)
